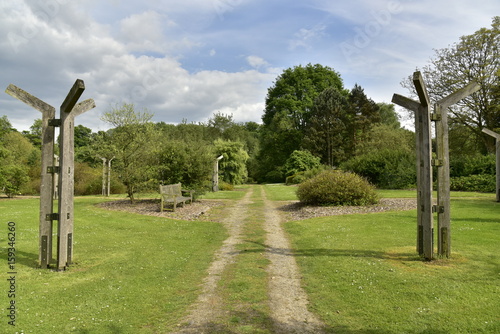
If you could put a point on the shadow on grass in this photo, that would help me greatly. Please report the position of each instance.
(402, 256)
(22, 258)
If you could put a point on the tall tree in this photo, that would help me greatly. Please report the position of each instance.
(327, 132)
(289, 105)
(475, 57)
(363, 113)
(131, 142)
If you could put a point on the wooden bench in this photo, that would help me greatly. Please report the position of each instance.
(173, 193)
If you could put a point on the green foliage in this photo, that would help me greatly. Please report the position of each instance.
(306, 175)
(472, 165)
(289, 106)
(132, 145)
(335, 187)
(480, 183)
(224, 186)
(16, 162)
(189, 163)
(300, 161)
(12, 178)
(388, 115)
(387, 169)
(232, 168)
(327, 132)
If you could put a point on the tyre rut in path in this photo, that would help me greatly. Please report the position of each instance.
(208, 307)
(287, 300)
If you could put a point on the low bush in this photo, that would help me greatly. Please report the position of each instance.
(335, 187)
(481, 183)
(224, 186)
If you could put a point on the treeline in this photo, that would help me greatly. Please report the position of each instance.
(311, 122)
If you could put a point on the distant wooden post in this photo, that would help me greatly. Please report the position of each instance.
(425, 228)
(497, 137)
(109, 177)
(68, 111)
(103, 176)
(215, 175)
(440, 116)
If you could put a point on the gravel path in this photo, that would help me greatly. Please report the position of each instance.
(209, 306)
(287, 299)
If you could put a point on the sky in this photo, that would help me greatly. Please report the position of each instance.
(186, 60)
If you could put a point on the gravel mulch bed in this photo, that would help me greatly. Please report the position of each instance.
(201, 209)
(298, 211)
(198, 210)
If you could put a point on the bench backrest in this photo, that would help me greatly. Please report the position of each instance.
(171, 190)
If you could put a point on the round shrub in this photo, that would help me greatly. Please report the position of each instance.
(333, 187)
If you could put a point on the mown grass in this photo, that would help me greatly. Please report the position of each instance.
(237, 193)
(363, 275)
(132, 273)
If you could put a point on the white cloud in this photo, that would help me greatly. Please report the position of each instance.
(257, 62)
(304, 38)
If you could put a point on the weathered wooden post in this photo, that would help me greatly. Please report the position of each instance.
(442, 163)
(425, 228)
(497, 137)
(425, 208)
(215, 175)
(48, 170)
(103, 176)
(109, 177)
(68, 111)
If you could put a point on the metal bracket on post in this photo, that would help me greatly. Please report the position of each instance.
(55, 122)
(435, 117)
(53, 170)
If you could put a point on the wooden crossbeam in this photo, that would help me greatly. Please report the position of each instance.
(29, 99)
(421, 89)
(491, 133)
(460, 94)
(405, 102)
(73, 96)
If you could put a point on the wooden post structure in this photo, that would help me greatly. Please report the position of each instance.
(425, 209)
(440, 116)
(497, 137)
(103, 176)
(109, 177)
(68, 111)
(47, 173)
(215, 175)
(425, 228)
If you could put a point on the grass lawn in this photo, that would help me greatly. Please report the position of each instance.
(363, 275)
(133, 273)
